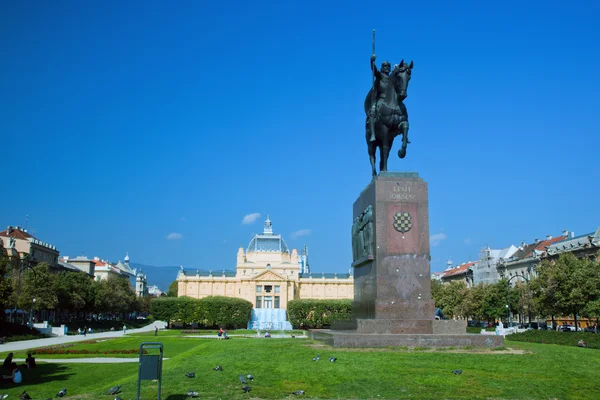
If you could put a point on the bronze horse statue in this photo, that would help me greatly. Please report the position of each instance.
(391, 119)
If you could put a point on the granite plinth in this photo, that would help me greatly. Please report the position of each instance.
(373, 340)
(394, 282)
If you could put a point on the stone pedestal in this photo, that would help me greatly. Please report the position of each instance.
(392, 289)
(392, 279)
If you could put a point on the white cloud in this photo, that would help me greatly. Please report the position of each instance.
(174, 236)
(301, 232)
(437, 238)
(250, 218)
(468, 241)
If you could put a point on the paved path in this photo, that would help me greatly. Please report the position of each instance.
(93, 360)
(51, 341)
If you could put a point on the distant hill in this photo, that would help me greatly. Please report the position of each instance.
(159, 276)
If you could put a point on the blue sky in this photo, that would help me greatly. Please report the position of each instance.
(155, 128)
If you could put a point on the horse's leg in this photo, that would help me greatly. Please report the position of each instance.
(384, 148)
(372, 148)
(404, 130)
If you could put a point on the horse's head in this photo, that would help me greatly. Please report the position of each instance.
(401, 74)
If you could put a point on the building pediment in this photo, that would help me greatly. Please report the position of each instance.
(269, 276)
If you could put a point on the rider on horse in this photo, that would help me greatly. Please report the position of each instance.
(380, 88)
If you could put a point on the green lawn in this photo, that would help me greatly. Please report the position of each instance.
(281, 366)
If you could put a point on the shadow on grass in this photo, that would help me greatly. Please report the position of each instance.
(178, 397)
(40, 375)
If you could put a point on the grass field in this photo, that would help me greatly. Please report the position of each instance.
(281, 366)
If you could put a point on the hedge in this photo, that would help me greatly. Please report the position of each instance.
(305, 314)
(553, 337)
(227, 312)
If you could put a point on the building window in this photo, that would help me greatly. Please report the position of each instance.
(276, 303)
(268, 288)
(258, 302)
(268, 302)
(268, 266)
(276, 289)
(258, 289)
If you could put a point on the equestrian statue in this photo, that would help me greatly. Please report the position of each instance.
(386, 113)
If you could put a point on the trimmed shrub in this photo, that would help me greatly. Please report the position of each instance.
(553, 337)
(226, 312)
(307, 314)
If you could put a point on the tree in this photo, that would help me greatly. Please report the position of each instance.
(44, 292)
(472, 304)
(567, 285)
(75, 291)
(115, 295)
(494, 301)
(451, 297)
(5, 281)
(437, 288)
(173, 289)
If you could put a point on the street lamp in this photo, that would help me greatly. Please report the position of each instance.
(32, 303)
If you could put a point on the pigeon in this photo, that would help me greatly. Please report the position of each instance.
(191, 393)
(242, 379)
(298, 392)
(457, 371)
(250, 377)
(190, 374)
(332, 359)
(317, 357)
(3, 396)
(24, 396)
(114, 390)
(218, 368)
(62, 393)
(246, 388)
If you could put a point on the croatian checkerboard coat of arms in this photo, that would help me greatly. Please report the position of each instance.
(402, 222)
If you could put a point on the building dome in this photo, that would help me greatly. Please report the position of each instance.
(268, 242)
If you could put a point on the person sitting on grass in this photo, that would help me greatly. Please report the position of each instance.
(15, 377)
(581, 343)
(30, 361)
(8, 361)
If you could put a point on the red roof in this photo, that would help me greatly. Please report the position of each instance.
(98, 263)
(462, 269)
(16, 233)
(547, 242)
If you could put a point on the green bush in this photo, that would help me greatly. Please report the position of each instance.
(307, 314)
(553, 337)
(226, 312)
(164, 308)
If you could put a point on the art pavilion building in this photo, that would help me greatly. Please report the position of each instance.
(268, 275)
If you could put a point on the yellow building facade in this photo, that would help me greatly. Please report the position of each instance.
(268, 275)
